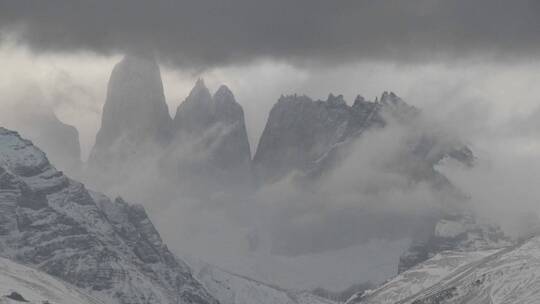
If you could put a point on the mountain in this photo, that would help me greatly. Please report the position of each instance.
(312, 137)
(231, 288)
(204, 147)
(20, 283)
(321, 144)
(135, 120)
(196, 114)
(40, 124)
(106, 247)
(300, 130)
(211, 146)
(509, 275)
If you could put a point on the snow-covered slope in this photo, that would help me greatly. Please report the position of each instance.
(509, 275)
(461, 232)
(107, 247)
(229, 288)
(419, 277)
(36, 287)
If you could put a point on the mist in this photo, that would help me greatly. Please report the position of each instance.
(363, 207)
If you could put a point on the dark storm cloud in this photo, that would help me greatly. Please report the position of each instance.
(204, 32)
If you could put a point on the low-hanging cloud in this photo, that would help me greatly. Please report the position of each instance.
(202, 33)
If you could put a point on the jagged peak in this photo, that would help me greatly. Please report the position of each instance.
(120, 200)
(224, 94)
(138, 62)
(294, 97)
(200, 89)
(335, 100)
(200, 83)
(359, 100)
(390, 97)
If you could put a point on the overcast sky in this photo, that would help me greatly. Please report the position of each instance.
(425, 50)
(206, 33)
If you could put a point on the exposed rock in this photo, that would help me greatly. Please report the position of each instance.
(205, 146)
(211, 147)
(196, 114)
(135, 121)
(298, 132)
(314, 136)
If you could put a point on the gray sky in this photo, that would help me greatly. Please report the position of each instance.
(424, 50)
(206, 33)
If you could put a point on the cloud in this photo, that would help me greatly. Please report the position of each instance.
(203, 33)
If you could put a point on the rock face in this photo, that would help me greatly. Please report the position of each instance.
(230, 288)
(312, 136)
(211, 145)
(135, 119)
(298, 132)
(40, 124)
(206, 143)
(107, 247)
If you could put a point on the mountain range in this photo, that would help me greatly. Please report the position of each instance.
(110, 250)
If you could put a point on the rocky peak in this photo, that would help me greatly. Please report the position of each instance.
(299, 131)
(224, 95)
(335, 100)
(227, 110)
(305, 135)
(135, 120)
(200, 94)
(359, 100)
(396, 108)
(135, 109)
(196, 112)
(212, 126)
(389, 98)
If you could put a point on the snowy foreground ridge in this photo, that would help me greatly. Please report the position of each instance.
(229, 288)
(106, 247)
(507, 276)
(19, 283)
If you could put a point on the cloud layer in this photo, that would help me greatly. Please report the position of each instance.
(202, 33)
